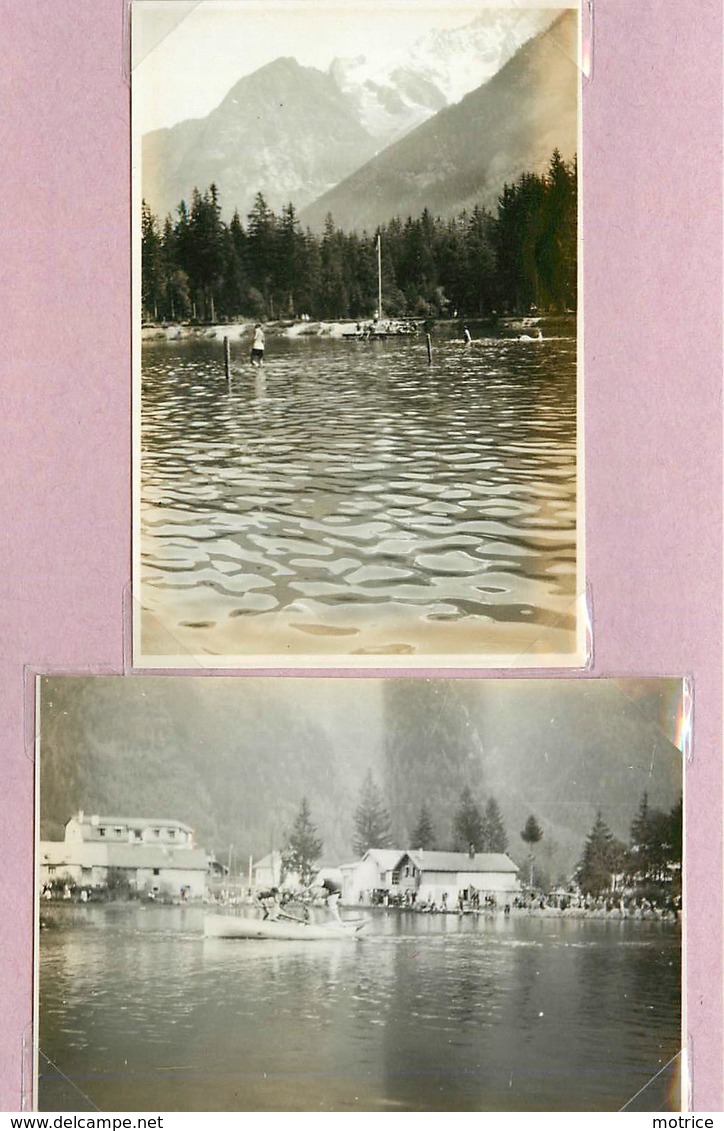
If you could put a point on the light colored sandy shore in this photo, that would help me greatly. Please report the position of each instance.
(237, 330)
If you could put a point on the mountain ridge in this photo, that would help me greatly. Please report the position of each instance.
(395, 95)
(293, 132)
(259, 140)
(467, 152)
(234, 759)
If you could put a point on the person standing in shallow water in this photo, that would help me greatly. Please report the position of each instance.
(257, 346)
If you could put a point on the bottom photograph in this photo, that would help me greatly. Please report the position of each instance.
(358, 894)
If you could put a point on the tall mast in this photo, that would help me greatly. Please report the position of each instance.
(379, 275)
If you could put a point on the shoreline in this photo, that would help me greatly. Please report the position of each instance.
(235, 331)
(548, 913)
(338, 329)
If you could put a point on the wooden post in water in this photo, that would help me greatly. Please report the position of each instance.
(227, 360)
(429, 349)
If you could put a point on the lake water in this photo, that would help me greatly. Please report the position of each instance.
(427, 1013)
(351, 499)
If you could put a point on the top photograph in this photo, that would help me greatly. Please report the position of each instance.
(358, 387)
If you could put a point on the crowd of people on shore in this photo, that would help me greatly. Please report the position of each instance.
(381, 328)
(570, 904)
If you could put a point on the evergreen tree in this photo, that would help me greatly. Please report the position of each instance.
(183, 251)
(203, 242)
(332, 292)
(307, 293)
(359, 274)
(152, 265)
(603, 858)
(531, 834)
(290, 262)
(654, 860)
(473, 262)
(640, 823)
(206, 249)
(236, 276)
(423, 835)
(479, 263)
(652, 845)
(640, 841)
(262, 250)
(178, 295)
(535, 239)
(371, 819)
(660, 849)
(495, 838)
(676, 833)
(468, 826)
(556, 257)
(303, 847)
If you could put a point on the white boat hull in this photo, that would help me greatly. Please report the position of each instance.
(241, 927)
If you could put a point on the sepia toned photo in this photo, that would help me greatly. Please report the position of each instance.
(356, 334)
(267, 894)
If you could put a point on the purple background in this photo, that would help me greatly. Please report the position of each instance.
(652, 247)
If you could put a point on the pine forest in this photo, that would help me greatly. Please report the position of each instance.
(197, 267)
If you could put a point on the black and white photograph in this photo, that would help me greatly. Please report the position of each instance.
(345, 895)
(358, 389)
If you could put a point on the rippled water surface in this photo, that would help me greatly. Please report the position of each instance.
(428, 1013)
(349, 498)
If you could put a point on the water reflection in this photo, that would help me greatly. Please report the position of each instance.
(429, 1013)
(350, 498)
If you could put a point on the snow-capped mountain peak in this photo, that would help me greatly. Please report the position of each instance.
(397, 91)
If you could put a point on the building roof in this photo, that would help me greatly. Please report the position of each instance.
(428, 861)
(94, 820)
(269, 861)
(389, 859)
(386, 858)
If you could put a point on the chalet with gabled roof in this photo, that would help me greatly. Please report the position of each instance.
(429, 875)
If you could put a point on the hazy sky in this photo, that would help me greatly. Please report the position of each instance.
(187, 56)
(556, 747)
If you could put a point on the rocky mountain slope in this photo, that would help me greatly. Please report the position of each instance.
(286, 131)
(294, 132)
(466, 152)
(395, 94)
(233, 758)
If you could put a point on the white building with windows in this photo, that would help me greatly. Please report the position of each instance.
(429, 875)
(155, 855)
(268, 871)
(375, 872)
